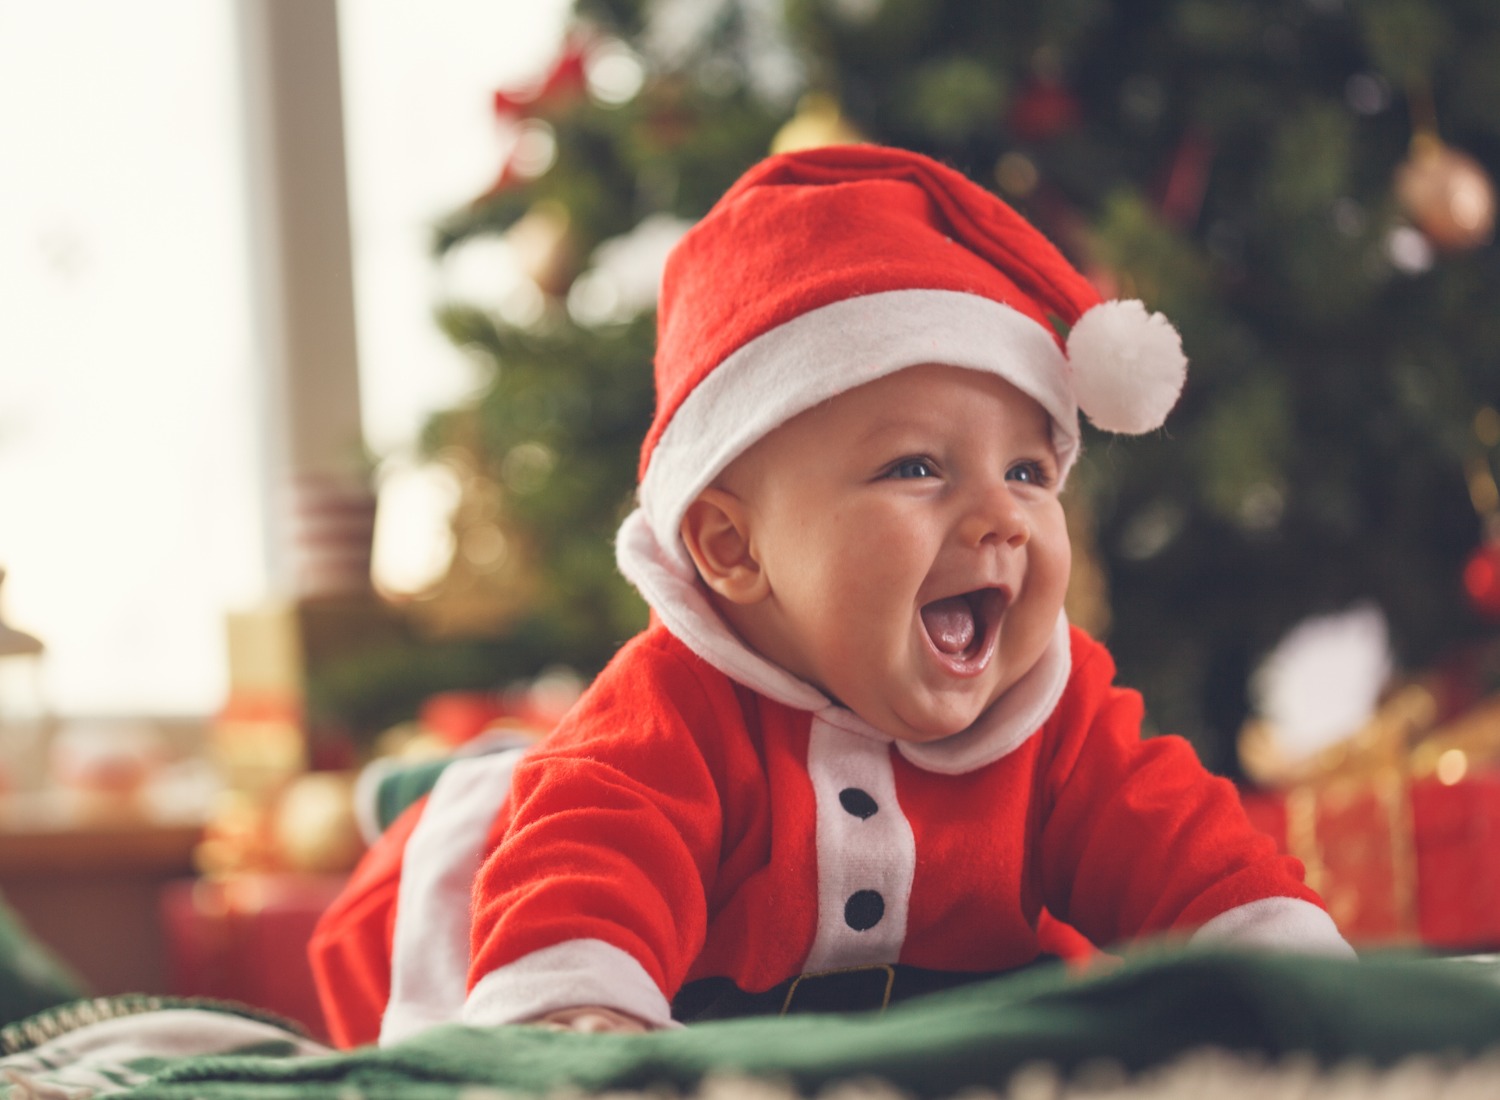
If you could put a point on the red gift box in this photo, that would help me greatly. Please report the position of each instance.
(1458, 861)
(1396, 860)
(244, 938)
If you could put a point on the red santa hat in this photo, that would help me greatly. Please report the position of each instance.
(824, 269)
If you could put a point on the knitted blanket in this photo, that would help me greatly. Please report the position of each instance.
(1162, 1022)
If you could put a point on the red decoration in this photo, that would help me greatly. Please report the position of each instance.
(564, 83)
(244, 938)
(459, 716)
(1186, 179)
(1396, 860)
(1044, 110)
(1482, 580)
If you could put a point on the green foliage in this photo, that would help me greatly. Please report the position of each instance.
(953, 98)
(560, 429)
(1407, 39)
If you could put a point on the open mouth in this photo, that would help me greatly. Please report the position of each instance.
(961, 628)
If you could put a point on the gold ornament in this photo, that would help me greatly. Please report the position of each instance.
(1017, 175)
(545, 246)
(1446, 193)
(314, 825)
(818, 122)
(491, 579)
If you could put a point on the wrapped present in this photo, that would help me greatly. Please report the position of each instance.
(1399, 860)
(1457, 839)
(1396, 819)
(244, 938)
(1354, 837)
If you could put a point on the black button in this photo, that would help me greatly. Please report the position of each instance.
(863, 910)
(858, 802)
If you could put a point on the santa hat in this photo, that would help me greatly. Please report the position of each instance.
(824, 269)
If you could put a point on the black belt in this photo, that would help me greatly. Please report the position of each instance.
(856, 989)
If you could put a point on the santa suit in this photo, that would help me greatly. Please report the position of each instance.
(704, 814)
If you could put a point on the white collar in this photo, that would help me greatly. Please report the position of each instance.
(683, 606)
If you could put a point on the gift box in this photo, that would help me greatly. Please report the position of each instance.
(1457, 830)
(244, 938)
(1397, 860)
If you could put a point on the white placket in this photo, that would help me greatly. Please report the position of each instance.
(866, 852)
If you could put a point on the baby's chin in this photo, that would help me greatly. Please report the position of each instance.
(915, 722)
(923, 729)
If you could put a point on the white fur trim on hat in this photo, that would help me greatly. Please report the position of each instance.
(827, 351)
(1128, 367)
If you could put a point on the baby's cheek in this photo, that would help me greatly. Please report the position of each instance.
(1052, 551)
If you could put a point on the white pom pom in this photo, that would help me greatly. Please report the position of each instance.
(1128, 367)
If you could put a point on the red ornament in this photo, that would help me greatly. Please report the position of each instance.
(1482, 580)
(563, 84)
(1186, 179)
(1044, 110)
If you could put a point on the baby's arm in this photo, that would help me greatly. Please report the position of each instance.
(595, 893)
(1139, 839)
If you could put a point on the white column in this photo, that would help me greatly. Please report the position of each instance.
(319, 507)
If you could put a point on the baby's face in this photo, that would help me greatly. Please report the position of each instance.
(914, 545)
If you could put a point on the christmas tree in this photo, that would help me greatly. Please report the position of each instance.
(1303, 186)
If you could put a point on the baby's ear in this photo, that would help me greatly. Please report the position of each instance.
(716, 530)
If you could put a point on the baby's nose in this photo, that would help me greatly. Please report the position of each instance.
(996, 518)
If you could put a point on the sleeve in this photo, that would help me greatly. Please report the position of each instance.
(350, 948)
(1138, 838)
(596, 892)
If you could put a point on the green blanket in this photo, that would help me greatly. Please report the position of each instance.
(1151, 1011)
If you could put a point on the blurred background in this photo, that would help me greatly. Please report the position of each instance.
(325, 333)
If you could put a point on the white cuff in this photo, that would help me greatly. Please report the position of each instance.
(574, 974)
(1276, 924)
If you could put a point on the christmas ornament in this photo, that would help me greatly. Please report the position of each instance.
(490, 581)
(523, 109)
(1044, 110)
(545, 247)
(314, 826)
(818, 122)
(1482, 579)
(1186, 179)
(1446, 194)
(564, 83)
(1017, 175)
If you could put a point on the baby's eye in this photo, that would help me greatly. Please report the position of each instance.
(912, 467)
(1031, 473)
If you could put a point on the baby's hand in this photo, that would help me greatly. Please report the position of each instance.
(592, 1018)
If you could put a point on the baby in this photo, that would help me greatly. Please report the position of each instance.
(860, 754)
